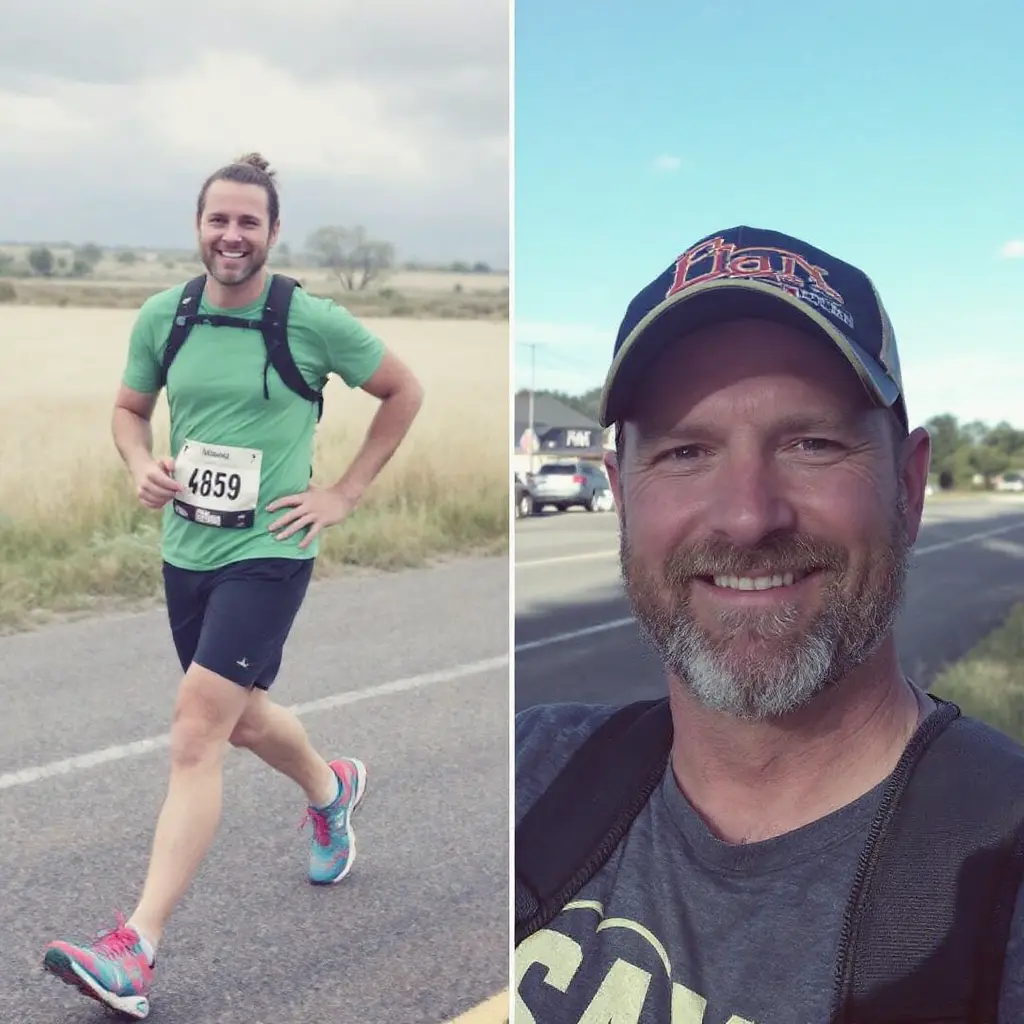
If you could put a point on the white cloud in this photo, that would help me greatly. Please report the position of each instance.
(336, 127)
(393, 115)
(1013, 250)
(666, 164)
(41, 126)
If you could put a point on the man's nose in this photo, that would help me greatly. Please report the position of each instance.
(750, 500)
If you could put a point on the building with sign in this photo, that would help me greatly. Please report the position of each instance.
(559, 433)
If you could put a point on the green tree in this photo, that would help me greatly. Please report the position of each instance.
(946, 439)
(90, 254)
(989, 460)
(40, 259)
(357, 259)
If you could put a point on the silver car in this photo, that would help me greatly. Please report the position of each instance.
(565, 484)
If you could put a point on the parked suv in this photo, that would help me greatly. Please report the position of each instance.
(565, 484)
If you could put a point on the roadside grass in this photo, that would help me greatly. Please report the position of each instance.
(74, 538)
(103, 548)
(988, 682)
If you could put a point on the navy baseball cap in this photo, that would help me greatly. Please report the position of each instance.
(751, 272)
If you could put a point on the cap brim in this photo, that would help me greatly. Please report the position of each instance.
(716, 302)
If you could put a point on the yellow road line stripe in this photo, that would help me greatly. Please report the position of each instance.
(491, 1011)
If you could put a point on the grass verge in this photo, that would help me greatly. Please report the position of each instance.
(988, 682)
(102, 551)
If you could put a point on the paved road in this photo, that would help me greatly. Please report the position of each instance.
(385, 668)
(574, 640)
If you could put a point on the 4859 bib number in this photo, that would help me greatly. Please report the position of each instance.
(217, 483)
(221, 484)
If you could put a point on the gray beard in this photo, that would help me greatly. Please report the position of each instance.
(779, 672)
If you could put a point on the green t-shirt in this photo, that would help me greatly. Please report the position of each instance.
(215, 392)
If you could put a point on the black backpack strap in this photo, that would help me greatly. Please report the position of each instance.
(185, 316)
(275, 335)
(929, 915)
(575, 825)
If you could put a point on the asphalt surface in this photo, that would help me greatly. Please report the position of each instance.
(575, 641)
(417, 932)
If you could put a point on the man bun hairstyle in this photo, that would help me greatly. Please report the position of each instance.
(248, 169)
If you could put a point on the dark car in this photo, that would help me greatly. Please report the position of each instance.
(524, 497)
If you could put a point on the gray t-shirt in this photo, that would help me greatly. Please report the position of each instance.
(679, 927)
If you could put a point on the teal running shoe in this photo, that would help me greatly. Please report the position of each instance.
(332, 846)
(113, 970)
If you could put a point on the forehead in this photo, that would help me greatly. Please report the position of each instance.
(235, 199)
(747, 367)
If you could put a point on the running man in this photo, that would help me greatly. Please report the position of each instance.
(241, 526)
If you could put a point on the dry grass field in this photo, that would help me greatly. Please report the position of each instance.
(401, 293)
(72, 534)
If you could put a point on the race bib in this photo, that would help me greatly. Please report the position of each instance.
(221, 484)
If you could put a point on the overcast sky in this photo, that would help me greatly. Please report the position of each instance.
(391, 113)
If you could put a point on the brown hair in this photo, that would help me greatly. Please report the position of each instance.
(250, 169)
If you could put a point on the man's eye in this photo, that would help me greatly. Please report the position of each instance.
(814, 445)
(684, 453)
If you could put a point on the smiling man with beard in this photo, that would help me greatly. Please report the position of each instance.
(722, 856)
(241, 528)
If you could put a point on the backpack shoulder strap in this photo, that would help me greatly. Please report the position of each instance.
(929, 917)
(575, 825)
(274, 327)
(184, 317)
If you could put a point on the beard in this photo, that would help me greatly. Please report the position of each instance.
(230, 275)
(761, 665)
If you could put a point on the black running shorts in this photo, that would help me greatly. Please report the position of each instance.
(234, 620)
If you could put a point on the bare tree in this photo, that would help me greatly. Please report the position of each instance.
(356, 259)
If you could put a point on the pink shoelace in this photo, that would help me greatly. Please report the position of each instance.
(117, 942)
(321, 828)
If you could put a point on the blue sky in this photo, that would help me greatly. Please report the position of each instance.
(890, 135)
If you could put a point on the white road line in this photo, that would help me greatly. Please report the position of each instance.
(575, 634)
(604, 627)
(25, 776)
(966, 540)
(610, 552)
(585, 556)
(138, 748)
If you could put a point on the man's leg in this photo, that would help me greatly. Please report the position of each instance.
(117, 969)
(333, 789)
(277, 737)
(207, 711)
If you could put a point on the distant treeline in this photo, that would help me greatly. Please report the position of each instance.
(349, 252)
(963, 454)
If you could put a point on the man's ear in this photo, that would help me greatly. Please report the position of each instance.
(915, 461)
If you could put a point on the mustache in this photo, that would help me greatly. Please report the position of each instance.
(796, 553)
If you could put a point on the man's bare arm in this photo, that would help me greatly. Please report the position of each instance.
(401, 396)
(133, 437)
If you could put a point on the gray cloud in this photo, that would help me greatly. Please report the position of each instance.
(391, 114)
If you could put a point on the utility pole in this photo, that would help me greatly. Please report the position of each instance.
(533, 388)
(532, 346)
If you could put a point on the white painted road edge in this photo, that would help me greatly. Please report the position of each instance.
(614, 552)
(26, 776)
(146, 746)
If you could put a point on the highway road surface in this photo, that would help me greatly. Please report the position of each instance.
(575, 640)
(410, 673)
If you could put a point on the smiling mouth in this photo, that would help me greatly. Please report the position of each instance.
(231, 254)
(785, 579)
